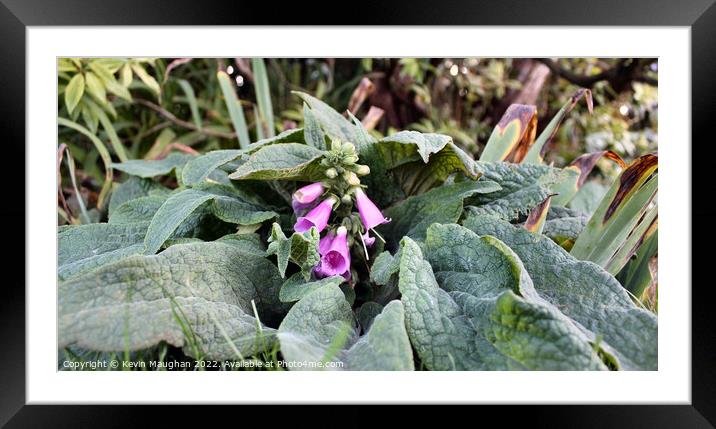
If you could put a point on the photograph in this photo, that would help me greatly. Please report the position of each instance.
(357, 214)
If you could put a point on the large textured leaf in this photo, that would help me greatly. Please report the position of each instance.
(513, 135)
(301, 249)
(524, 186)
(198, 169)
(479, 310)
(564, 225)
(140, 209)
(312, 129)
(443, 204)
(582, 291)
(177, 208)
(332, 122)
(288, 161)
(626, 211)
(132, 188)
(152, 168)
(197, 296)
(82, 248)
(321, 328)
(296, 287)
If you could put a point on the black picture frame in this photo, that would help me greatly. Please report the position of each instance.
(16, 15)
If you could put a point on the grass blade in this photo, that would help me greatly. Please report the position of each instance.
(191, 99)
(109, 129)
(236, 112)
(263, 95)
(103, 153)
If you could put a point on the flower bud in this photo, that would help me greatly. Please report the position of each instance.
(348, 148)
(350, 159)
(351, 178)
(331, 173)
(346, 199)
(362, 170)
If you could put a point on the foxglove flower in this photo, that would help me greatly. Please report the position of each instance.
(304, 197)
(370, 214)
(368, 240)
(335, 254)
(317, 217)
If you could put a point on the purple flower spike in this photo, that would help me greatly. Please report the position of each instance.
(335, 254)
(317, 217)
(370, 214)
(305, 197)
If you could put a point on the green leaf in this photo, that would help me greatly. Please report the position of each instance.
(74, 91)
(140, 209)
(95, 87)
(191, 99)
(513, 135)
(236, 112)
(564, 225)
(103, 153)
(479, 310)
(627, 210)
(288, 161)
(178, 207)
(134, 187)
(301, 249)
(333, 123)
(263, 94)
(296, 287)
(312, 129)
(524, 186)
(583, 291)
(146, 78)
(443, 204)
(538, 150)
(198, 169)
(109, 81)
(320, 328)
(82, 248)
(151, 168)
(141, 300)
(636, 275)
(109, 129)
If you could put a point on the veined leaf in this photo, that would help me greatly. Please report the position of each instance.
(198, 169)
(513, 135)
(134, 187)
(320, 328)
(443, 204)
(236, 112)
(301, 249)
(523, 187)
(263, 94)
(333, 123)
(81, 248)
(538, 150)
(151, 168)
(583, 291)
(564, 225)
(621, 211)
(288, 161)
(296, 287)
(139, 301)
(312, 129)
(74, 91)
(179, 206)
(479, 310)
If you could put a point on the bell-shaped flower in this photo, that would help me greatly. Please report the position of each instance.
(370, 214)
(304, 197)
(317, 217)
(335, 254)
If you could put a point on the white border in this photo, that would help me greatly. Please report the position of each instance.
(671, 384)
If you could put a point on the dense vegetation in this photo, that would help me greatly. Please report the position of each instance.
(475, 218)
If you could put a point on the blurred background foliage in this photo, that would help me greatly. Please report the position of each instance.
(114, 109)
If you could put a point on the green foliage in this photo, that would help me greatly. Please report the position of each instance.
(190, 253)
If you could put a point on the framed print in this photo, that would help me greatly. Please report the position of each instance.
(390, 212)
